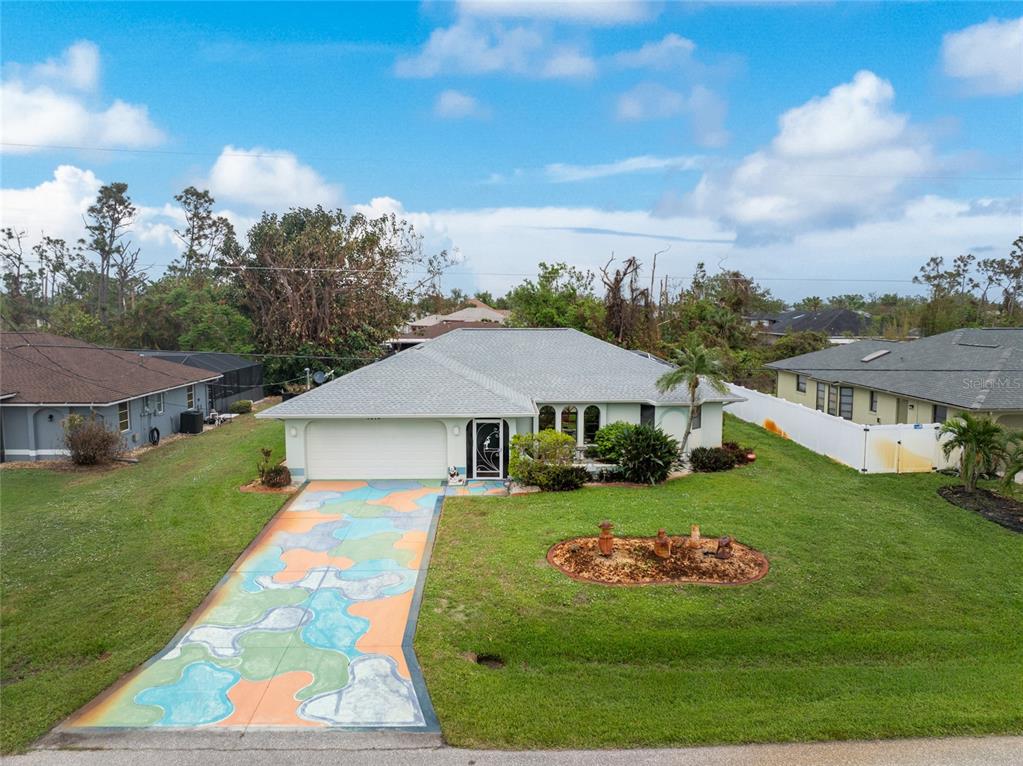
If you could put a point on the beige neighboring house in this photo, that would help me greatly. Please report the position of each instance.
(476, 315)
(922, 381)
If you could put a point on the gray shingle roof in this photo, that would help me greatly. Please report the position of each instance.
(978, 369)
(834, 322)
(491, 372)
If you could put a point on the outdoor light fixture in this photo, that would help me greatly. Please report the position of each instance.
(293, 431)
(454, 431)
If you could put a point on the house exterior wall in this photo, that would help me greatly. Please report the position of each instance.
(626, 413)
(36, 433)
(913, 410)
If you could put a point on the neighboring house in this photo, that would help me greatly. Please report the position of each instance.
(478, 314)
(921, 381)
(459, 399)
(840, 325)
(44, 378)
(241, 378)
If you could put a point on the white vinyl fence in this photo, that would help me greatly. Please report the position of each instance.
(870, 449)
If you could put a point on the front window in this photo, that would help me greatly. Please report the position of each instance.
(159, 404)
(190, 397)
(873, 401)
(832, 400)
(822, 395)
(845, 407)
(801, 383)
(570, 421)
(697, 416)
(940, 413)
(591, 423)
(123, 416)
(546, 420)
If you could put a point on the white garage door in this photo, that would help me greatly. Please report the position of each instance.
(376, 449)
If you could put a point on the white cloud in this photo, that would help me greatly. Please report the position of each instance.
(597, 12)
(42, 105)
(434, 233)
(473, 47)
(671, 51)
(54, 207)
(705, 108)
(454, 104)
(837, 159)
(78, 67)
(987, 57)
(564, 173)
(269, 179)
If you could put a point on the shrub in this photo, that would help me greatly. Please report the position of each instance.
(90, 442)
(544, 459)
(739, 454)
(710, 459)
(272, 474)
(551, 477)
(241, 406)
(647, 455)
(607, 444)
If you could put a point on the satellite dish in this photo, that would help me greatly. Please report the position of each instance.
(320, 377)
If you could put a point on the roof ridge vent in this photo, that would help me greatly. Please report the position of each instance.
(876, 355)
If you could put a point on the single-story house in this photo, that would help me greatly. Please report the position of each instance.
(44, 378)
(240, 378)
(922, 381)
(458, 400)
(840, 325)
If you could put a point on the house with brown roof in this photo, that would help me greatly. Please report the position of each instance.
(476, 315)
(45, 378)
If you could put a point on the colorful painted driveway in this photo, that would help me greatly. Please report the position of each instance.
(310, 628)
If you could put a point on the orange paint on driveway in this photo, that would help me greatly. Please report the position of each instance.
(279, 705)
(387, 619)
(298, 562)
(245, 696)
(414, 541)
(405, 500)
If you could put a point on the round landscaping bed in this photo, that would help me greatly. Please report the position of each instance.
(633, 562)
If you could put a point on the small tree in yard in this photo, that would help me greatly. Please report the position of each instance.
(982, 443)
(693, 364)
(90, 442)
(272, 474)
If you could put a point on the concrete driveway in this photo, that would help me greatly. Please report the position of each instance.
(312, 627)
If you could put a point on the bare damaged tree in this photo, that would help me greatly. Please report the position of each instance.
(205, 236)
(630, 313)
(107, 222)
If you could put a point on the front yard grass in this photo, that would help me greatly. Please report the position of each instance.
(100, 569)
(887, 612)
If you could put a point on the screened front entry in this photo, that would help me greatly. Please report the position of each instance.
(487, 449)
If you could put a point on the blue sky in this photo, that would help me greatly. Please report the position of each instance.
(845, 141)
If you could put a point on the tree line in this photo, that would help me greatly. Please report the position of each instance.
(323, 289)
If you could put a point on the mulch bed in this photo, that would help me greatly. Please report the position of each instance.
(255, 486)
(993, 507)
(633, 562)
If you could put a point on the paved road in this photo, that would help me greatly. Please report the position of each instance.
(986, 751)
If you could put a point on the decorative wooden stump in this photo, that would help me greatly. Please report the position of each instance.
(606, 540)
(662, 545)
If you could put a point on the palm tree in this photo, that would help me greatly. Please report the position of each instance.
(982, 445)
(693, 363)
(1012, 463)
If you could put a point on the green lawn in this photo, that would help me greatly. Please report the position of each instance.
(99, 570)
(887, 612)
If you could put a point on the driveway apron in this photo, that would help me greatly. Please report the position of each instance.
(311, 628)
